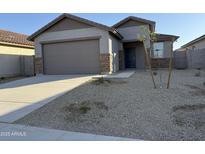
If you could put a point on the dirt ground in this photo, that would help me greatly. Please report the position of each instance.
(9, 79)
(131, 108)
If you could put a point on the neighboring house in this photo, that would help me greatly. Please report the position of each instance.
(15, 44)
(73, 45)
(192, 54)
(16, 54)
(198, 43)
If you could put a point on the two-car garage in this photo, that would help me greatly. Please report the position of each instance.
(71, 57)
(74, 45)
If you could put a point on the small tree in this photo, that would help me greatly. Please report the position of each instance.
(170, 68)
(146, 36)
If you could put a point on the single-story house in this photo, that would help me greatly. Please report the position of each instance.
(12, 43)
(198, 43)
(16, 54)
(192, 54)
(74, 45)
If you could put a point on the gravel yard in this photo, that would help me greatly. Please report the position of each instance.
(130, 108)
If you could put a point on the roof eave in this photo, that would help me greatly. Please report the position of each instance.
(32, 36)
(172, 37)
(152, 23)
(193, 41)
(101, 26)
(16, 45)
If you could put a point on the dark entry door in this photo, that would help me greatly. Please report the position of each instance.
(130, 58)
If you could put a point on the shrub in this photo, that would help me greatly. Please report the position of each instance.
(101, 80)
(198, 74)
(84, 109)
(2, 78)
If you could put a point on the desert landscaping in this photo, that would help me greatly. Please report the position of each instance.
(131, 107)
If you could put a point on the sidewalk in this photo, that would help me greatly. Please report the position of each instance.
(120, 75)
(13, 132)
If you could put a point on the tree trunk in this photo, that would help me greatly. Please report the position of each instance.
(170, 69)
(149, 64)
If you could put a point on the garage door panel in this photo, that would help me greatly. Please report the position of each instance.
(79, 57)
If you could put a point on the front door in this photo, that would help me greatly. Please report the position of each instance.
(130, 57)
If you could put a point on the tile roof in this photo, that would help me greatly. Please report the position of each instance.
(14, 38)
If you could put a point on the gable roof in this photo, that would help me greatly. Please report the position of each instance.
(14, 38)
(194, 41)
(152, 23)
(86, 21)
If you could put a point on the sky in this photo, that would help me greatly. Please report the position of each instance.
(187, 26)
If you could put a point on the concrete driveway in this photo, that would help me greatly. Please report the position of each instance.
(21, 97)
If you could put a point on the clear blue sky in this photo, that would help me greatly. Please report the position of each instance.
(187, 26)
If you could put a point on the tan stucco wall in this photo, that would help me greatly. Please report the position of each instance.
(132, 33)
(114, 47)
(70, 30)
(73, 34)
(168, 47)
(67, 24)
(12, 50)
(131, 23)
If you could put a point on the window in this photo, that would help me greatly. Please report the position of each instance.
(158, 49)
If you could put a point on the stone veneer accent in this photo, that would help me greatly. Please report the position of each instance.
(105, 63)
(38, 65)
(160, 62)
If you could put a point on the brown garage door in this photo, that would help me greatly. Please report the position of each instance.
(77, 57)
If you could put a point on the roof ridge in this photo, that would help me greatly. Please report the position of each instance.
(133, 18)
(143, 19)
(193, 41)
(74, 17)
(88, 20)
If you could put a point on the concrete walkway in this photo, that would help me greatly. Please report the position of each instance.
(120, 75)
(21, 97)
(13, 132)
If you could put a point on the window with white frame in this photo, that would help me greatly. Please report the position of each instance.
(158, 49)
